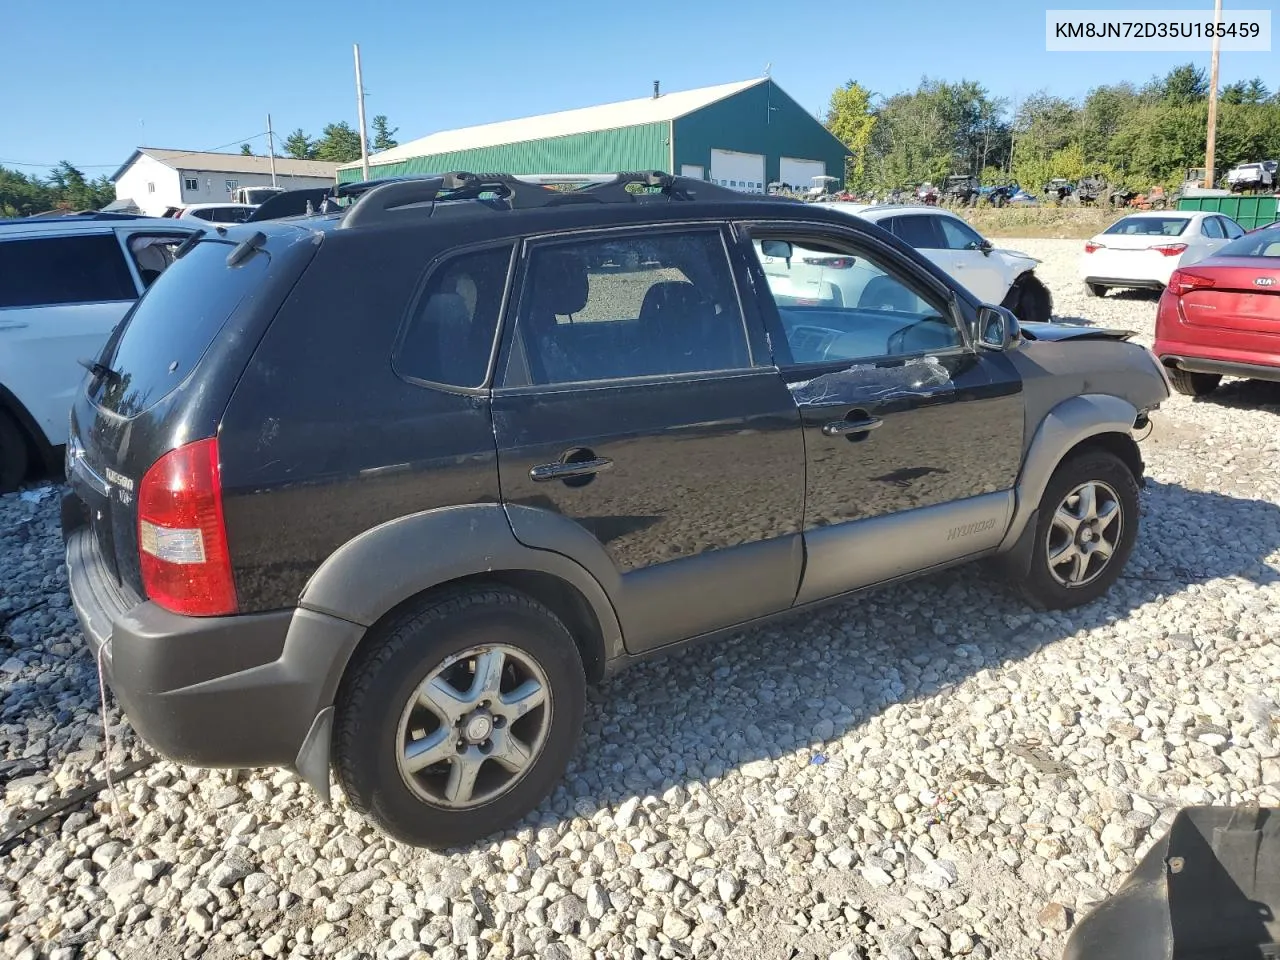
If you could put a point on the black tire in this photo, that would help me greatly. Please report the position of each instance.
(1034, 303)
(1193, 384)
(14, 454)
(1094, 290)
(385, 673)
(1039, 586)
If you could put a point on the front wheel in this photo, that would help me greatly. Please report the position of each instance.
(1193, 384)
(1030, 300)
(1085, 530)
(459, 716)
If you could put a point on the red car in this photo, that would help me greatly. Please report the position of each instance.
(1221, 316)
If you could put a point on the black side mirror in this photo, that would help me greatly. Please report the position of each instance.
(997, 328)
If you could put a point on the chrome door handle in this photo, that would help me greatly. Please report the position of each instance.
(842, 428)
(567, 471)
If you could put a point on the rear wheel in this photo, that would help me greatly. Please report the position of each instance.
(1193, 384)
(1095, 290)
(459, 716)
(1085, 530)
(14, 454)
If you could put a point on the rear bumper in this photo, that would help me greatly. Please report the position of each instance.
(239, 691)
(1136, 283)
(1229, 368)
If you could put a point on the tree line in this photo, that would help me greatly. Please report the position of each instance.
(67, 188)
(1136, 136)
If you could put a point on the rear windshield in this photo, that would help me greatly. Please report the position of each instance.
(173, 325)
(1149, 226)
(1264, 243)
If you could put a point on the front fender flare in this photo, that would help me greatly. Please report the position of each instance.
(1067, 425)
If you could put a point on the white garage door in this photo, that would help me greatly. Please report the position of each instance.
(800, 173)
(694, 170)
(738, 171)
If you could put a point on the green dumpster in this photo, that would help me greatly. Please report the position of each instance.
(1249, 212)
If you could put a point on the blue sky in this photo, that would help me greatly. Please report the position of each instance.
(94, 84)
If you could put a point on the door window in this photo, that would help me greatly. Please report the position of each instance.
(54, 270)
(450, 333)
(621, 307)
(153, 253)
(1211, 227)
(919, 231)
(835, 304)
(1232, 229)
(958, 235)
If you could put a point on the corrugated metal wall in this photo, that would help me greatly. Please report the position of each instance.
(761, 119)
(642, 147)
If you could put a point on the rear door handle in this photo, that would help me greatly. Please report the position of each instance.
(13, 325)
(842, 428)
(567, 471)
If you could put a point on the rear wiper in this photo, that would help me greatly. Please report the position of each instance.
(100, 370)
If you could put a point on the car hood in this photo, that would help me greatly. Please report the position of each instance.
(1015, 258)
(1072, 331)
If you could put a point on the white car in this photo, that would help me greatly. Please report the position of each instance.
(213, 212)
(65, 282)
(993, 275)
(1141, 250)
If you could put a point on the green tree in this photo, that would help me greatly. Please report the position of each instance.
(246, 150)
(299, 146)
(338, 143)
(383, 134)
(850, 119)
(1186, 83)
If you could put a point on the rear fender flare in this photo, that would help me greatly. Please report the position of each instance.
(388, 564)
(1063, 428)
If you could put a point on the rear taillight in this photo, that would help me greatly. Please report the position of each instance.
(182, 536)
(1090, 246)
(1183, 282)
(1169, 249)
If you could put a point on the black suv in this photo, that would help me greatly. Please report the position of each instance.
(384, 488)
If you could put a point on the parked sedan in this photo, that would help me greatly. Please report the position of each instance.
(1141, 250)
(1222, 316)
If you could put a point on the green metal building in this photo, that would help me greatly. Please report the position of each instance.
(744, 135)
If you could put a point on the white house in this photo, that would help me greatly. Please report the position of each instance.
(156, 179)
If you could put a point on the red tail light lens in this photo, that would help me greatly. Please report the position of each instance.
(1183, 282)
(182, 536)
(1170, 249)
(1090, 246)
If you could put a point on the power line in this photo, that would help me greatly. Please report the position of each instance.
(100, 166)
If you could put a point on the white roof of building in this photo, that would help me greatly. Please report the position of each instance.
(232, 163)
(605, 116)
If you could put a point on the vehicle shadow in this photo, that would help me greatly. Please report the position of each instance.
(796, 686)
(1246, 395)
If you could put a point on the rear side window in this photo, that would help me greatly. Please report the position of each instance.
(173, 325)
(450, 334)
(920, 232)
(53, 270)
(1149, 226)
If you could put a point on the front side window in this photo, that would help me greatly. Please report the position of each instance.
(153, 254)
(958, 235)
(623, 307)
(54, 270)
(1232, 229)
(835, 303)
(450, 333)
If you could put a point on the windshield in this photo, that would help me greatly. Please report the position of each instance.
(172, 326)
(1149, 226)
(1265, 243)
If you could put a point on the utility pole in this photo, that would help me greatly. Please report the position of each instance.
(1211, 135)
(271, 150)
(364, 141)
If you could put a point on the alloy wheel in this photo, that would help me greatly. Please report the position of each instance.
(1084, 534)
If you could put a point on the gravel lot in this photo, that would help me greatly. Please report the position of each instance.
(931, 771)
